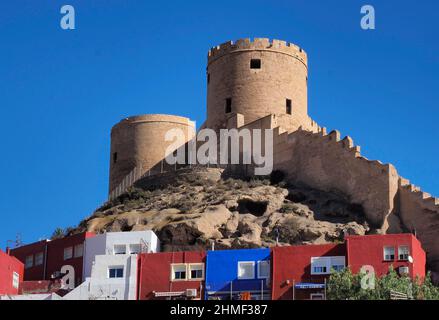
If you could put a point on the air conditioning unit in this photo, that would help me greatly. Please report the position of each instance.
(404, 270)
(191, 293)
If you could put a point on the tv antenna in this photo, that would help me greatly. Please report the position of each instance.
(17, 242)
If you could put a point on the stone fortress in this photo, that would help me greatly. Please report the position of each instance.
(262, 84)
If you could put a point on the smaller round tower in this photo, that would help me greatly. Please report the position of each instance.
(139, 142)
(257, 78)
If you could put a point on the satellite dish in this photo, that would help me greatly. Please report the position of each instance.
(410, 259)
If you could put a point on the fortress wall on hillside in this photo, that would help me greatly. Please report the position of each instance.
(327, 163)
(419, 212)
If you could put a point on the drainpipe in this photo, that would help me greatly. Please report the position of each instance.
(45, 261)
(231, 290)
(139, 275)
(294, 289)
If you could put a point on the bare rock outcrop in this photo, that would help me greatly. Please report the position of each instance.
(231, 213)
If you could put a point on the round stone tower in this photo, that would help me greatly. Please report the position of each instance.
(256, 79)
(139, 142)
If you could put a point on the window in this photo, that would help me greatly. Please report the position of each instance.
(79, 250)
(115, 272)
(178, 272)
(320, 269)
(255, 64)
(246, 270)
(389, 253)
(324, 265)
(338, 268)
(263, 269)
(29, 263)
(120, 249)
(228, 105)
(135, 248)
(196, 271)
(39, 257)
(337, 263)
(115, 157)
(208, 78)
(403, 253)
(319, 265)
(68, 253)
(288, 106)
(15, 280)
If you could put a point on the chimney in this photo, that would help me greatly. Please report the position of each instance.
(8, 251)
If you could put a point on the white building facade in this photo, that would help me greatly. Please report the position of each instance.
(118, 243)
(110, 265)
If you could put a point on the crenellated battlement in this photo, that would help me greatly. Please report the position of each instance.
(424, 198)
(258, 44)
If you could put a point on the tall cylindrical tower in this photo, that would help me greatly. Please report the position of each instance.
(139, 142)
(256, 79)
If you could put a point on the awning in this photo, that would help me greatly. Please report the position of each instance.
(170, 294)
(305, 285)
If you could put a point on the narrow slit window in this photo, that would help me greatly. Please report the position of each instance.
(288, 106)
(208, 78)
(115, 157)
(255, 64)
(228, 105)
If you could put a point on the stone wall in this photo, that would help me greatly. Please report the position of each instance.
(256, 93)
(139, 142)
(419, 212)
(326, 162)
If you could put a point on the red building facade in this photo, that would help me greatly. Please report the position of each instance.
(43, 260)
(300, 272)
(171, 275)
(402, 251)
(11, 274)
(293, 276)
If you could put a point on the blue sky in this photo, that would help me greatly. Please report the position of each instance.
(62, 91)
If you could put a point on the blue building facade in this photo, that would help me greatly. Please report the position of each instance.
(233, 274)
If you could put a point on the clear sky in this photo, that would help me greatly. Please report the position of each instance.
(61, 91)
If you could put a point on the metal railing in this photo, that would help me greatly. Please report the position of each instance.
(138, 173)
(395, 295)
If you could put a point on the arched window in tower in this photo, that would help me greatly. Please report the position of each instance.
(255, 64)
(228, 105)
(288, 106)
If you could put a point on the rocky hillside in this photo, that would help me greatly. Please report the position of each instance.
(191, 213)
